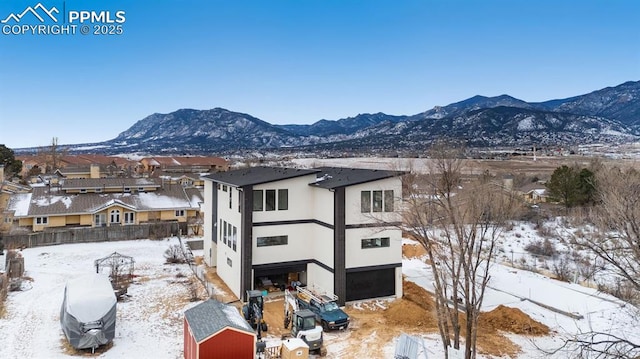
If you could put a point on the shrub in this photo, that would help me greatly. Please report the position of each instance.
(174, 254)
(542, 248)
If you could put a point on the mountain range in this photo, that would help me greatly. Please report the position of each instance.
(610, 115)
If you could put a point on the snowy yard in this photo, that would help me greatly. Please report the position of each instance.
(149, 324)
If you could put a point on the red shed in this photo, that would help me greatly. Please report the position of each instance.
(213, 330)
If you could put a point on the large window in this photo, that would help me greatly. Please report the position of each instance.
(230, 198)
(114, 216)
(375, 242)
(129, 218)
(42, 220)
(388, 201)
(376, 201)
(272, 241)
(283, 199)
(100, 219)
(270, 200)
(179, 212)
(257, 200)
(229, 234)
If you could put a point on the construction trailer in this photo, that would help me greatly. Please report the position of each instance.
(88, 312)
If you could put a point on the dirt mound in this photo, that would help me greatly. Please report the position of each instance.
(418, 295)
(510, 320)
(404, 312)
(413, 251)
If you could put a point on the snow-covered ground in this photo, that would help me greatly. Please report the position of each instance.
(149, 325)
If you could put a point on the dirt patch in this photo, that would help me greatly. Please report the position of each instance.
(223, 294)
(511, 320)
(407, 313)
(418, 295)
(411, 251)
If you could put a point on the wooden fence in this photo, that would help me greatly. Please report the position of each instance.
(98, 234)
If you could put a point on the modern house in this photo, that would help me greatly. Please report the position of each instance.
(334, 229)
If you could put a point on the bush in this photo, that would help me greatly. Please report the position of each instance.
(542, 248)
(174, 254)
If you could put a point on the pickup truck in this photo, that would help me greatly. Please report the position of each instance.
(327, 312)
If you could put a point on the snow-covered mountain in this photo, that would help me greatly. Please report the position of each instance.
(609, 115)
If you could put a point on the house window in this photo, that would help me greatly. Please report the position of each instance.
(115, 216)
(140, 189)
(270, 200)
(234, 238)
(224, 235)
(180, 213)
(100, 219)
(365, 201)
(272, 241)
(283, 199)
(375, 242)
(42, 220)
(126, 189)
(7, 220)
(83, 190)
(230, 199)
(129, 218)
(388, 201)
(98, 190)
(224, 188)
(229, 262)
(229, 234)
(257, 200)
(376, 201)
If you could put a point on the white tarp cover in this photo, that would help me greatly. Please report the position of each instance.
(88, 313)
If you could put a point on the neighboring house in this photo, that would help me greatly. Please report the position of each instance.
(149, 165)
(101, 202)
(534, 193)
(322, 227)
(186, 180)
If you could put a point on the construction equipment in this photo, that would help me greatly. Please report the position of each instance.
(252, 310)
(325, 308)
(303, 324)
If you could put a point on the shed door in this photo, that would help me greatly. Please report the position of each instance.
(371, 284)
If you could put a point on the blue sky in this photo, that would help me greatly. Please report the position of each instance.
(297, 61)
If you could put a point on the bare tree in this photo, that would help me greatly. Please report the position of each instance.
(614, 241)
(458, 223)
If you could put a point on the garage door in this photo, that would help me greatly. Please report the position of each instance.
(371, 284)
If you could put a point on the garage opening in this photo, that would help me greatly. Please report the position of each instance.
(370, 284)
(279, 276)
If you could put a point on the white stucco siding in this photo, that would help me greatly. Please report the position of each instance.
(230, 274)
(353, 214)
(300, 239)
(208, 225)
(323, 208)
(228, 259)
(399, 292)
(356, 256)
(319, 278)
(323, 245)
(300, 200)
